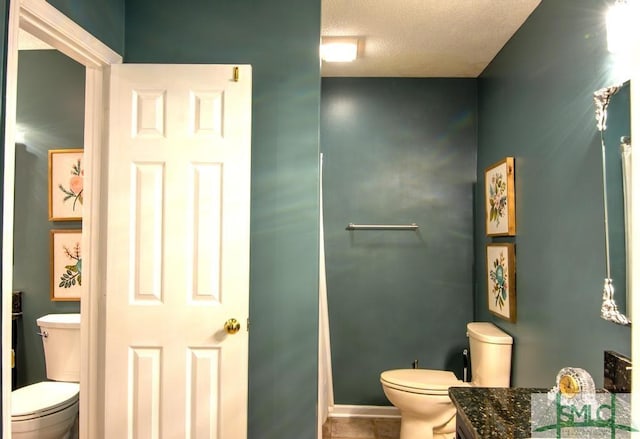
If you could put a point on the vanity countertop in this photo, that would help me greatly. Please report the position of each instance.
(490, 412)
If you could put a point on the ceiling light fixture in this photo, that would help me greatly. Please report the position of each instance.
(339, 49)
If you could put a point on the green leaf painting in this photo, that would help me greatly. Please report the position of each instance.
(73, 271)
(66, 264)
(499, 281)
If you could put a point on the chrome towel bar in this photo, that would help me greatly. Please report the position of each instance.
(353, 226)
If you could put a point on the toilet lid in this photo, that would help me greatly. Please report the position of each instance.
(420, 380)
(43, 398)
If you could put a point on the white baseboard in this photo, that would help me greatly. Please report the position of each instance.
(363, 411)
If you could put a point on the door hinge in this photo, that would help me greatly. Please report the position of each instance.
(247, 324)
(236, 74)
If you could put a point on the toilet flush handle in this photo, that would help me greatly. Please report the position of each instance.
(465, 365)
(43, 334)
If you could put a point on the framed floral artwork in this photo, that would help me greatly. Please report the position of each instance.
(66, 183)
(500, 202)
(66, 264)
(501, 280)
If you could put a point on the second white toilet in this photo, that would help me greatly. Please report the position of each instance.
(48, 409)
(422, 395)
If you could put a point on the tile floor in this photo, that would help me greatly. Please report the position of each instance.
(361, 428)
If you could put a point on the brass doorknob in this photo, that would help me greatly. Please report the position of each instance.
(232, 326)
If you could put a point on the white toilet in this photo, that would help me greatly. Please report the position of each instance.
(422, 395)
(48, 410)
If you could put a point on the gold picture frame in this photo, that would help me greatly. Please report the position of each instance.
(66, 183)
(501, 280)
(66, 264)
(500, 199)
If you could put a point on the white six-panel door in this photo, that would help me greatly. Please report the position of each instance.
(178, 251)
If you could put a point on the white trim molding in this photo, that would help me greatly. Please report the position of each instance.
(54, 28)
(59, 31)
(363, 411)
(10, 97)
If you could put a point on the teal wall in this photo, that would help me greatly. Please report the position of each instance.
(280, 39)
(102, 18)
(535, 104)
(397, 151)
(50, 111)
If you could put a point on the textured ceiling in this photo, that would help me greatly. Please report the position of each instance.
(413, 38)
(422, 38)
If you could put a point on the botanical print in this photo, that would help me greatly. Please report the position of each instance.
(499, 281)
(497, 198)
(66, 184)
(500, 198)
(66, 264)
(73, 273)
(74, 192)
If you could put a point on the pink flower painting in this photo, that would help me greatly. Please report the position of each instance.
(73, 193)
(66, 184)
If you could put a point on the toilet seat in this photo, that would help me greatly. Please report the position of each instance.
(42, 399)
(423, 381)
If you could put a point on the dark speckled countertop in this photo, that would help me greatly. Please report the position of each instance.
(490, 412)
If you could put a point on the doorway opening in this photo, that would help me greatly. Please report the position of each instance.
(47, 24)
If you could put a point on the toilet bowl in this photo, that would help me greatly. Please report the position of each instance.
(48, 409)
(422, 395)
(45, 410)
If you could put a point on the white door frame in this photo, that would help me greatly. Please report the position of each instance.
(54, 28)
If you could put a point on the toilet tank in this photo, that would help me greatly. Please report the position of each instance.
(61, 341)
(490, 355)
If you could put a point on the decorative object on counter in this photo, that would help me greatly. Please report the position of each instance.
(66, 264)
(617, 372)
(574, 408)
(66, 184)
(575, 384)
(500, 201)
(501, 280)
(609, 310)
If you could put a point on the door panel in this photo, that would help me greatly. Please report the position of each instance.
(178, 251)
